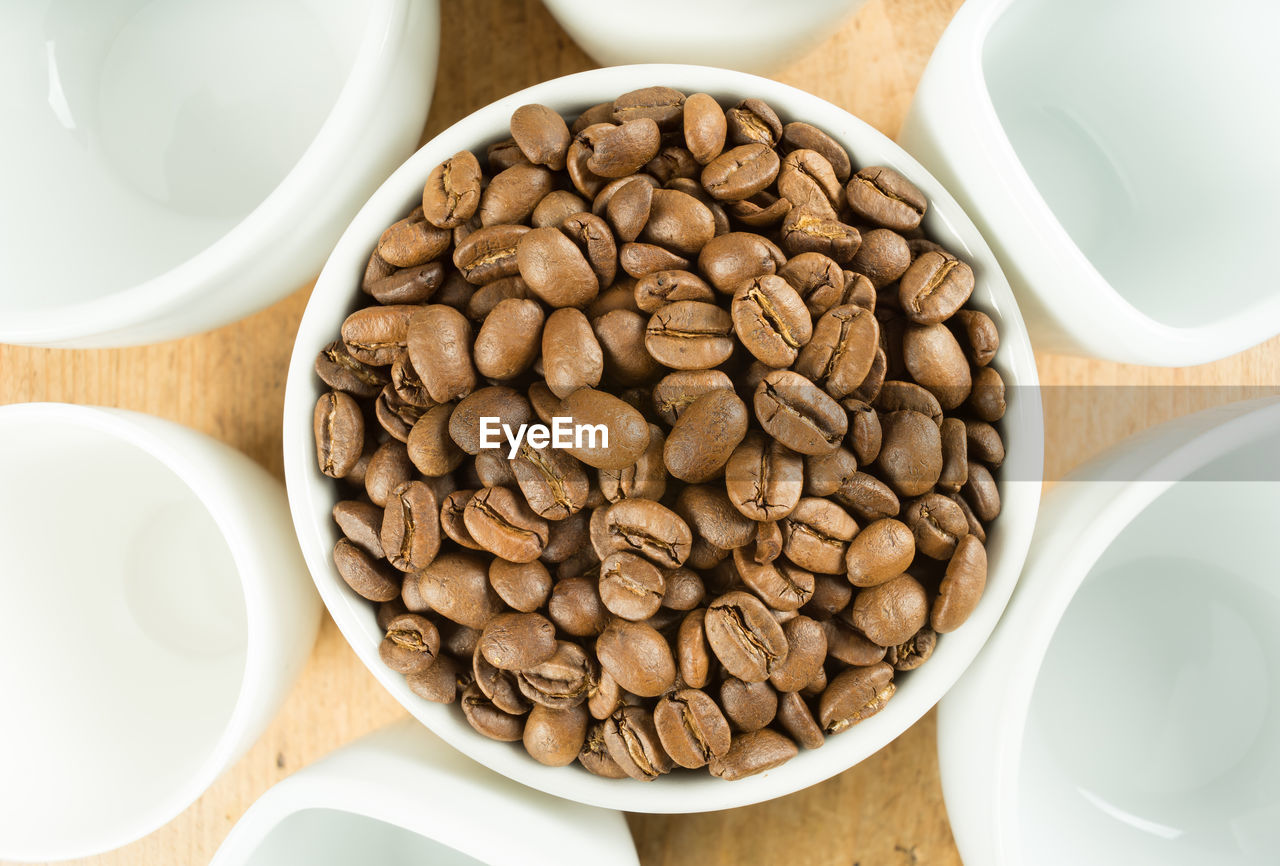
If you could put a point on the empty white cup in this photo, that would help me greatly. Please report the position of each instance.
(156, 612)
(401, 796)
(1127, 708)
(1120, 160)
(169, 167)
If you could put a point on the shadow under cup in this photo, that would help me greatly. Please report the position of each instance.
(124, 637)
(1154, 728)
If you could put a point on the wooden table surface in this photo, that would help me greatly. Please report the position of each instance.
(229, 383)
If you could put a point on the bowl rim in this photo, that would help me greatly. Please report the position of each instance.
(183, 452)
(1095, 314)
(311, 495)
(1080, 520)
(372, 65)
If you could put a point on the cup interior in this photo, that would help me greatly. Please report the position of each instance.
(1131, 122)
(147, 130)
(334, 837)
(124, 633)
(1154, 728)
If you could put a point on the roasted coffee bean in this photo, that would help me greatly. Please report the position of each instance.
(389, 467)
(727, 260)
(767, 545)
(377, 335)
(410, 644)
(865, 434)
(804, 231)
(781, 585)
(806, 651)
(937, 523)
(935, 361)
(555, 269)
(655, 290)
(897, 395)
(818, 280)
(984, 443)
(509, 339)
(484, 299)
(617, 151)
(593, 238)
(339, 433)
(575, 607)
(517, 641)
(981, 492)
(762, 210)
(883, 257)
(361, 523)
(844, 344)
(555, 737)
(394, 415)
(341, 372)
(771, 319)
(456, 585)
(831, 594)
(684, 589)
(871, 386)
(705, 127)
(846, 644)
(868, 497)
(955, 456)
(880, 552)
(911, 452)
(571, 355)
(452, 191)
(795, 717)
(678, 222)
(712, 516)
(523, 585)
(634, 744)
(639, 259)
(807, 180)
(498, 685)
(752, 753)
(490, 253)
(637, 657)
(744, 636)
(648, 528)
(628, 207)
(987, 399)
(798, 134)
(748, 706)
(664, 105)
(439, 683)
(741, 172)
(677, 391)
(556, 207)
(606, 697)
(542, 135)
(562, 681)
(824, 474)
(407, 385)
(882, 196)
(914, 652)
(628, 432)
(752, 120)
(513, 194)
(934, 288)
(496, 401)
(644, 479)
(487, 719)
(975, 525)
(451, 518)
(429, 445)
(693, 653)
(798, 414)
(817, 534)
(854, 696)
(439, 342)
(691, 727)
(553, 483)
(705, 436)
(501, 155)
(594, 756)
(630, 585)
(891, 612)
(368, 575)
(690, 335)
(622, 335)
(502, 523)
(411, 526)
(977, 335)
(764, 478)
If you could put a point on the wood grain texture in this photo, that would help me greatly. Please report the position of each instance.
(229, 383)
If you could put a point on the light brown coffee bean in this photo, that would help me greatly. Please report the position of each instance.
(846, 644)
(854, 696)
(884, 197)
(678, 222)
(798, 414)
(955, 456)
(665, 105)
(556, 207)
(369, 576)
(691, 727)
(984, 443)
(934, 359)
(645, 527)
(816, 535)
(831, 594)
(410, 644)
(630, 586)
(555, 269)
(741, 172)
(937, 523)
(987, 399)
(712, 516)
(490, 253)
(575, 607)
(571, 355)
(487, 719)
(441, 683)
(617, 151)
(818, 280)
(639, 259)
(634, 744)
(897, 395)
(513, 194)
(795, 717)
(806, 651)
(798, 134)
(689, 335)
(981, 492)
(644, 479)
(555, 737)
(542, 135)
(456, 586)
(693, 653)
(752, 753)
(748, 706)
(705, 436)
(525, 586)
(439, 341)
(655, 290)
(361, 523)
(744, 636)
(868, 497)
(804, 231)
(429, 447)
(781, 585)
(628, 207)
(762, 210)
(594, 756)
(553, 483)
(452, 191)
(411, 526)
(517, 641)
(339, 433)
(770, 319)
(509, 339)
(496, 401)
(684, 589)
(622, 335)
(502, 523)
(844, 344)
(911, 452)
(377, 335)
(890, 612)
(962, 586)
(705, 127)
(977, 335)
(764, 478)
(560, 682)
(637, 657)
(728, 260)
(341, 372)
(809, 182)
(880, 552)
(934, 288)
(865, 434)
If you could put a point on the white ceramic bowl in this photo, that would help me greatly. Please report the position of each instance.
(756, 36)
(156, 612)
(401, 796)
(1127, 708)
(171, 167)
(1120, 160)
(312, 495)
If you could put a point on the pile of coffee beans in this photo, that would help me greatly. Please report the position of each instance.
(801, 435)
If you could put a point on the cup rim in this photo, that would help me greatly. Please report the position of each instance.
(372, 66)
(170, 444)
(311, 496)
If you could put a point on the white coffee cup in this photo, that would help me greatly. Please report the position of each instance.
(1127, 708)
(1120, 160)
(156, 612)
(400, 795)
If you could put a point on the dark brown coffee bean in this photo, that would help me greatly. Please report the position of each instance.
(913, 652)
(628, 207)
(630, 586)
(868, 497)
(871, 386)
(987, 399)
(429, 445)
(487, 719)
(556, 207)
(501, 155)
(806, 651)
(977, 335)
(509, 339)
(644, 479)
(897, 395)
(880, 552)
(744, 636)
(911, 452)
(341, 372)
(452, 191)
(981, 492)
(410, 644)
(771, 319)
(389, 467)
(439, 341)
(891, 612)
(748, 706)
(542, 135)
(752, 753)
(934, 288)
(567, 537)
(441, 682)
(778, 583)
(671, 164)
(955, 456)
(937, 523)
(712, 516)
(628, 432)
(339, 433)
(367, 575)
(503, 524)
(665, 105)
(753, 121)
(692, 651)
(824, 474)
(484, 299)
(571, 355)
(935, 361)
(489, 253)
(741, 172)
(593, 238)
(594, 756)
(361, 523)
(844, 344)
(555, 269)
(689, 335)
(705, 127)
(456, 585)
(855, 696)
(496, 401)
(617, 151)
(831, 594)
(553, 483)
(883, 257)
(795, 717)
(498, 685)
(634, 745)
(816, 535)
(808, 232)
(622, 334)
(637, 657)
(798, 414)
(411, 526)
(555, 737)
(800, 135)
(451, 518)
(846, 644)
(377, 335)
(884, 197)
(705, 436)
(691, 727)
(560, 682)
(518, 641)
(984, 443)
(975, 525)
(764, 478)
(728, 260)
(407, 385)
(395, 415)
(575, 607)
(677, 391)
